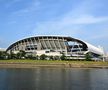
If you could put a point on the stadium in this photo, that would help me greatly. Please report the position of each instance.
(56, 46)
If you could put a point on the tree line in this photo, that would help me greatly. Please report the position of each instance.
(23, 55)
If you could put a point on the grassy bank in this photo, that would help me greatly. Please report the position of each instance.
(49, 63)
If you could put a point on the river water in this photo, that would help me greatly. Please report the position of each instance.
(53, 79)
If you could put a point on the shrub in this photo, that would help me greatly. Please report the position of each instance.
(43, 57)
(88, 57)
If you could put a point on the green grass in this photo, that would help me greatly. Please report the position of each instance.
(54, 62)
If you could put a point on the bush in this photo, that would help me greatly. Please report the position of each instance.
(43, 57)
(88, 57)
(51, 57)
(63, 57)
(56, 58)
(3, 55)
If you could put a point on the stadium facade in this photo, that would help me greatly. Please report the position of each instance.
(56, 46)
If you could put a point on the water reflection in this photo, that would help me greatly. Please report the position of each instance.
(53, 79)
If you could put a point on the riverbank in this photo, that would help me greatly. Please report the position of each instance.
(51, 64)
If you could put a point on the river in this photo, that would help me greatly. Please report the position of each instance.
(53, 79)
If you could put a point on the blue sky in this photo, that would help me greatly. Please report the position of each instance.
(84, 19)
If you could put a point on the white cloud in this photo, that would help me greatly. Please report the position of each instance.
(73, 22)
(34, 5)
(85, 19)
(68, 25)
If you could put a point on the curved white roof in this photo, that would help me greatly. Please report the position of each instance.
(94, 49)
(90, 47)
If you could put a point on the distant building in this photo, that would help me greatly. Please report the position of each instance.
(56, 46)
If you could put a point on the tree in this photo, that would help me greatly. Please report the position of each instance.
(51, 57)
(30, 57)
(19, 55)
(22, 54)
(63, 57)
(56, 58)
(37, 57)
(3, 55)
(88, 57)
(12, 55)
(43, 57)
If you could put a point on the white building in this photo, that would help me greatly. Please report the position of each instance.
(56, 46)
